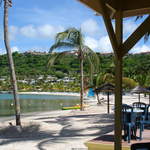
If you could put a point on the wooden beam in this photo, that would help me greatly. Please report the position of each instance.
(136, 12)
(109, 27)
(130, 7)
(93, 4)
(118, 83)
(135, 4)
(136, 36)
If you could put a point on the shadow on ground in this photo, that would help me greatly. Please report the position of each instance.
(100, 123)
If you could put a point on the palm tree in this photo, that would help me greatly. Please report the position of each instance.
(7, 4)
(73, 38)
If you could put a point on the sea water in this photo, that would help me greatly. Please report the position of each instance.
(35, 103)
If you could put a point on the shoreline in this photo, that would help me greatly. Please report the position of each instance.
(52, 93)
(45, 93)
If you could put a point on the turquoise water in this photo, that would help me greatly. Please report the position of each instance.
(35, 103)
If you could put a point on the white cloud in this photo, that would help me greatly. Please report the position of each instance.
(140, 49)
(49, 31)
(44, 31)
(2, 51)
(129, 26)
(91, 42)
(104, 44)
(15, 49)
(90, 27)
(29, 31)
(13, 32)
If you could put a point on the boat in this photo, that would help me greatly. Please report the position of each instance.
(73, 107)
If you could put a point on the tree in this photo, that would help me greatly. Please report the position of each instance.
(7, 4)
(73, 38)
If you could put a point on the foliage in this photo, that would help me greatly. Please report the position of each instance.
(30, 66)
(128, 83)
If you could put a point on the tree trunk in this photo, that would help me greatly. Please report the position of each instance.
(7, 4)
(81, 79)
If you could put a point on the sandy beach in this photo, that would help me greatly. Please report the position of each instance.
(60, 130)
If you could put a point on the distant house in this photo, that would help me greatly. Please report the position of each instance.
(32, 81)
(2, 79)
(35, 53)
(22, 81)
(40, 77)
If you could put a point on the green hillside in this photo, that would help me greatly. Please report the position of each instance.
(33, 65)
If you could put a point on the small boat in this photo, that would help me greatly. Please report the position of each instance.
(72, 107)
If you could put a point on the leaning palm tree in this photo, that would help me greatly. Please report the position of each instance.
(7, 4)
(73, 39)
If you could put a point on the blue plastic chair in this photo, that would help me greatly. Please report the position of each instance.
(143, 118)
(146, 121)
(141, 106)
(129, 122)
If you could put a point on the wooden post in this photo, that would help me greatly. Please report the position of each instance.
(108, 102)
(118, 83)
(139, 97)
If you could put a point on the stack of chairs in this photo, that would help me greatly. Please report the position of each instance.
(143, 119)
(128, 122)
(146, 121)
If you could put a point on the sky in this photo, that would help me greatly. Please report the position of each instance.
(33, 26)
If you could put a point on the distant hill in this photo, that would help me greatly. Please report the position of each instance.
(36, 63)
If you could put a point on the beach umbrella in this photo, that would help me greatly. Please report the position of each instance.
(138, 90)
(108, 88)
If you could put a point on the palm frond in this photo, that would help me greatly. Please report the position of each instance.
(93, 61)
(146, 36)
(61, 45)
(99, 79)
(52, 59)
(74, 36)
(87, 52)
(138, 17)
(56, 56)
(61, 36)
(91, 69)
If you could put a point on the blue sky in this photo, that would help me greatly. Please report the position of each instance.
(33, 25)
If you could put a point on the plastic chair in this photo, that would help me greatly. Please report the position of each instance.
(129, 122)
(140, 146)
(141, 117)
(142, 106)
(147, 120)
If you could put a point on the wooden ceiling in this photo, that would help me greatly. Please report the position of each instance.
(128, 7)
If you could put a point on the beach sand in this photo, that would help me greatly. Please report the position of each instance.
(60, 130)
(52, 93)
